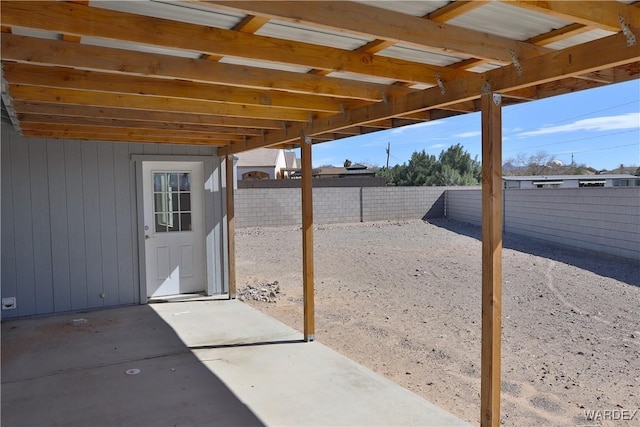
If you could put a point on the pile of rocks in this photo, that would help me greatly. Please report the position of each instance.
(265, 292)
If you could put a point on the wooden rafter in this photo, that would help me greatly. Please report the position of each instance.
(598, 14)
(96, 22)
(454, 9)
(601, 53)
(107, 82)
(365, 20)
(116, 113)
(154, 103)
(119, 61)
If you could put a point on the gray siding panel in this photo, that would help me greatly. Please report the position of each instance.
(59, 227)
(75, 225)
(124, 225)
(70, 222)
(41, 226)
(8, 230)
(26, 291)
(92, 235)
(108, 230)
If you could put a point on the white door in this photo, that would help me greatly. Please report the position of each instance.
(174, 227)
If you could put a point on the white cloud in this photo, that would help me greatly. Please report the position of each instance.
(436, 146)
(471, 134)
(402, 129)
(622, 121)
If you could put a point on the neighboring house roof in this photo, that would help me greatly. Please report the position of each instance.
(329, 171)
(290, 160)
(261, 157)
(567, 177)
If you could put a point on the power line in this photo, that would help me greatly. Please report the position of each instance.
(571, 140)
(635, 101)
(598, 149)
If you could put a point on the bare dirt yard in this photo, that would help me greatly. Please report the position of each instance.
(403, 299)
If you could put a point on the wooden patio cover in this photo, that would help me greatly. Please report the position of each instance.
(246, 74)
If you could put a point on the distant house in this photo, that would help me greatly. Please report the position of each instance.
(355, 170)
(571, 181)
(266, 163)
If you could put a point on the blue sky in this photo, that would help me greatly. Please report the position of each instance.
(600, 127)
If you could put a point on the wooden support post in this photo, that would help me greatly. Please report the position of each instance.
(231, 226)
(307, 240)
(491, 259)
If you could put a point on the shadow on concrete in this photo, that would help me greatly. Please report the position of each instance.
(123, 366)
(618, 268)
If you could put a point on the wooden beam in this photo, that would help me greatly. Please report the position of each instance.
(250, 24)
(53, 52)
(107, 82)
(559, 34)
(128, 137)
(231, 226)
(599, 14)
(110, 130)
(307, 240)
(45, 119)
(157, 103)
(598, 54)
(81, 111)
(96, 22)
(365, 20)
(491, 259)
(78, 111)
(454, 9)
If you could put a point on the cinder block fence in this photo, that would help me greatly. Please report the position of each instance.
(606, 220)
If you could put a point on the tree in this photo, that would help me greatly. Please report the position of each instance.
(453, 167)
(458, 168)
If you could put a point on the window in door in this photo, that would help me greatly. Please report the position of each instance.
(172, 201)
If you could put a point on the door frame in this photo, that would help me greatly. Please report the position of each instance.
(215, 229)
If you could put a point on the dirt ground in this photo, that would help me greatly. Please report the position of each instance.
(403, 298)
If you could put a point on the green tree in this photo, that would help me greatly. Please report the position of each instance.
(454, 166)
(458, 168)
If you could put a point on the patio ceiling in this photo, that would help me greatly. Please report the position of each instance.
(246, 74)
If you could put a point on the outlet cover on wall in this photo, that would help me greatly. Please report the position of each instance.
(9, 303)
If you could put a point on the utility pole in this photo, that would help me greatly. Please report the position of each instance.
(388, 152)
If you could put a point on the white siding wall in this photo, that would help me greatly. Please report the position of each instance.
(69, 222)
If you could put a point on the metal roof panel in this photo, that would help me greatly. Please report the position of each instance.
(508, 21)
(95, 41)
(580, 38)
(263, 64)
(424, 56)
(314, 35)
(415, 8)
(176, 11)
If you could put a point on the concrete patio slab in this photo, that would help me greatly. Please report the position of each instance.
(198, 362)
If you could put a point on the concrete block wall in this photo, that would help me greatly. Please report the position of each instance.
(601, 219)
(272, 207)
(267, 207)
(465, 205)
(392, 203)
